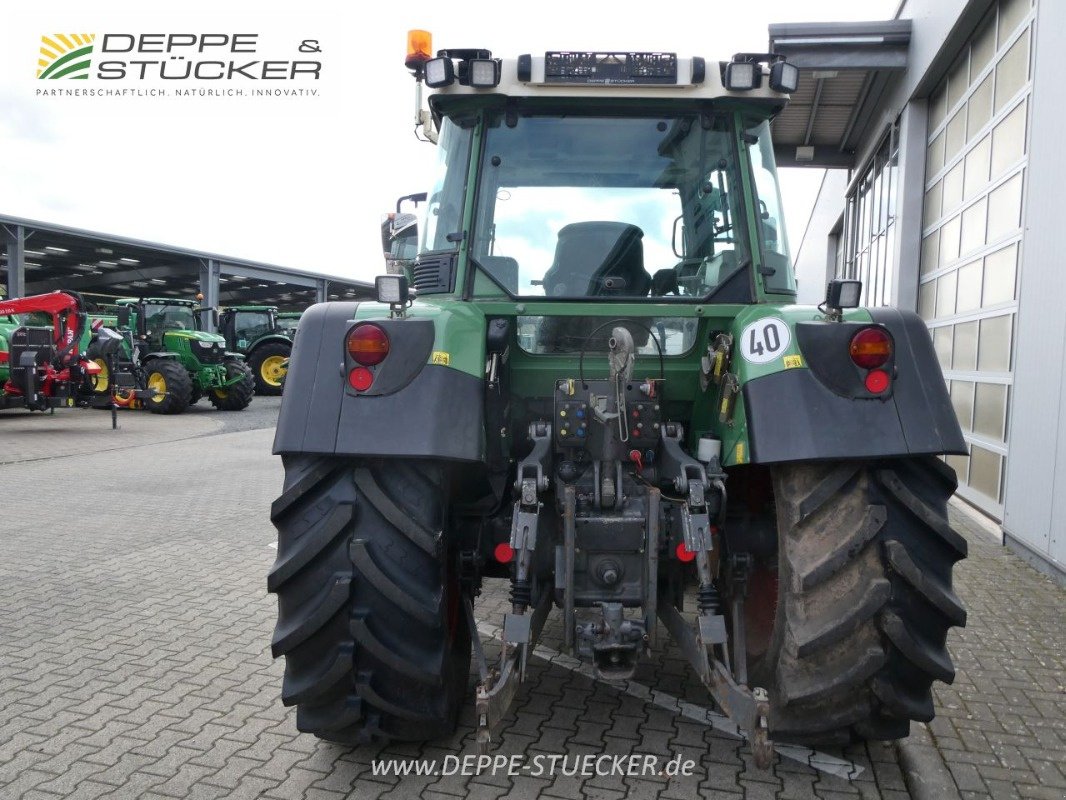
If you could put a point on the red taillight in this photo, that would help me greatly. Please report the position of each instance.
(360, 379)
(870, 348)
(368, 344)
(683, 553)
(504, 553)
(877, 381)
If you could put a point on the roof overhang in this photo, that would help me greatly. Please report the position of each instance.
(845, 70)
(102, 266)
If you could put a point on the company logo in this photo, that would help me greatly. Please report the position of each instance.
(65, 55)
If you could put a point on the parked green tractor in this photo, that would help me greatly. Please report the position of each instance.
(257, 333)
(605, 393)
(8, 324)
(287, 323)
(180, 361)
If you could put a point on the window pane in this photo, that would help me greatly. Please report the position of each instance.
(989, 410)
(965, 347)
(934, 159)
(932, 204)
(953, 184)
(927, 300)
(961, 465)
(1012, 71)
(983, 47)
(955, 136)
(973, 227)
(962, 401)
(949, 241)
(980, 104)
(945, 294)
(1008, 140)
(977, 167)
(958, 80)
(1011, 13)
(938, 105)
(969, 292)
(1005, 208)
(930, 252)
(942, 345)
(995, 344)
(999, 275)
(984, 472)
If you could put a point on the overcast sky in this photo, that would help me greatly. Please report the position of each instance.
(303, 181)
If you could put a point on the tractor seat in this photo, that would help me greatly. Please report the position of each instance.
(597, 259)
(593, 259)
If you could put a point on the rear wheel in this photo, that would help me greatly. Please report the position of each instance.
(864, 599)
(369, 613)
(236, 396)
(172, 384)
(268, 365)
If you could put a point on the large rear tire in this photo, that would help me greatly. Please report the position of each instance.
(369, 614)
(266, 362)
(864, 599)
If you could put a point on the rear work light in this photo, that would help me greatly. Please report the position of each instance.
(368, 344)
(870, 348)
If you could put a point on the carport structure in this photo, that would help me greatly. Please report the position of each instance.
(845, 70)
(41, 257)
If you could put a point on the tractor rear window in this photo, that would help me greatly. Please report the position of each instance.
(612, 207)
(558, 334)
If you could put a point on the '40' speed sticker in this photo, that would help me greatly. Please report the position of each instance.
(764, 340)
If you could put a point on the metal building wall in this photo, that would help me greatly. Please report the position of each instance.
(1035, 498)
(972, 237)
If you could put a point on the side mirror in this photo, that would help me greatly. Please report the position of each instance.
(123, 316)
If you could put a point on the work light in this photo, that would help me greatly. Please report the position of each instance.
(484, 72)
(741, 76)
(439, 72)
(843, 294)
(392, 289)
(784, 77)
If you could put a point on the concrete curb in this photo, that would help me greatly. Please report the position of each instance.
(924, 770)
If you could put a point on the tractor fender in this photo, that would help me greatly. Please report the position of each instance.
(418, 406)
(150, 356)
(818, 407)
(273, 338)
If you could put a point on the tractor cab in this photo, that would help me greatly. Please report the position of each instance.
(244, 325)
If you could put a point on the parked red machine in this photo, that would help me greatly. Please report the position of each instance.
(47, 367)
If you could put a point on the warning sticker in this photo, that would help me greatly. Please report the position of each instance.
(739, 457)
(791, 362)
(441, 358)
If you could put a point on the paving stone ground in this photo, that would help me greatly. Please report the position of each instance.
(134, 659)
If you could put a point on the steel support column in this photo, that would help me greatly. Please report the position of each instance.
(15, 247)
(910, 204)
(322, 291)
(209, 272)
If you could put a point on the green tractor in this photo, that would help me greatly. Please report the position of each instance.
(605, 393)
(287, 323)
(258, 334)
(8, 324)
(180, 361)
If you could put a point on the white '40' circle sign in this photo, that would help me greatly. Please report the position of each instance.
(764, 340)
